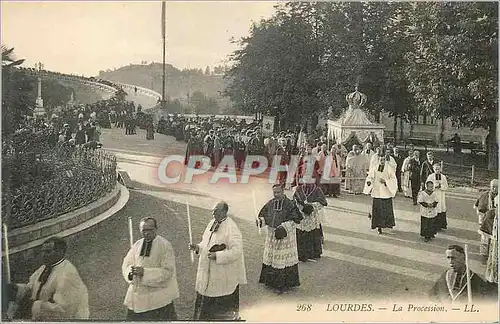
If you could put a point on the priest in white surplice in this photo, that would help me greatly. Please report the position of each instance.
(149, 269)
(55, 292)
(382, 185)
(221, 268)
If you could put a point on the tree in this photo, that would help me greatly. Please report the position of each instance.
(8, 58)
(18, 94)
(307, 57)
(198, 101)
(274, 72)
(452, 68)
(201, 104)
(207, 70)
(218, 70)
(18, 98)
(174, 106)
(389, 42)
(120, 95)
(55, 94)
(440, 58)
(16, 89)
(364, 44)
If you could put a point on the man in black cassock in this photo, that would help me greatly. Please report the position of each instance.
(280, 217)
(310, 199)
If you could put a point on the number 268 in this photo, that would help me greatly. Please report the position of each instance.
(304, 307)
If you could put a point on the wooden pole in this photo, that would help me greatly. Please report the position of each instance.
(190, 230)
(255, 210)
(131, 238)
(130, 232)
(472, 176)
(7, 259)
(469, 288)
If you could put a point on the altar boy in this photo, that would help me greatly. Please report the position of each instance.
(440, 186)
(428, 200)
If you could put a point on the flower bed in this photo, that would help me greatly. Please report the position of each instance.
(44, 182)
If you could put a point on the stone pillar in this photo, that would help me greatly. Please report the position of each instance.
(39, 110)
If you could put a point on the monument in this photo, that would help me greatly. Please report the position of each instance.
(71, 101)
(39, 110)
(354, 127)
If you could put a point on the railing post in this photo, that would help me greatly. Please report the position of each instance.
(472, 176)
(442, 166)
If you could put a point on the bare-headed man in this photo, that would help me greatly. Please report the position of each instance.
(452, 285)
(221, 268)
(55, 292)
(280, 216)
(149, 269)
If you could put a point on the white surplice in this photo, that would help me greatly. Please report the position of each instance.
(428, 212)
(376, 189)
(158, 287)
(220, 277)
(440, 192)
(406, 185)
(63, 297)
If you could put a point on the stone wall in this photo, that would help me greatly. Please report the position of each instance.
(23, 241)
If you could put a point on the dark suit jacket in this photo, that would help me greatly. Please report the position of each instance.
(399, 162)
(425, 170)
(414, 168)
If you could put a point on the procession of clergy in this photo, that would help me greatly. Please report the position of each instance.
(293, 233)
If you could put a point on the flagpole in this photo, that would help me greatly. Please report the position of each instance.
(163, 22)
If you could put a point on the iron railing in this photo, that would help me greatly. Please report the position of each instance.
(77, 176)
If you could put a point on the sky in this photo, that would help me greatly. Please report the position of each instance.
(85, 37)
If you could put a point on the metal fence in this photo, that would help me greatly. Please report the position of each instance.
(78, 176)
(468, 175)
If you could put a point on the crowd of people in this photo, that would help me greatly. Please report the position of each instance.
(82, 125)
(420, 180)
(292, 226)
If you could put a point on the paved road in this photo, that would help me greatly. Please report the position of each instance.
(358, 264)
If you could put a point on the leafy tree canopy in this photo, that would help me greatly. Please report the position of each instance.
(439, 57)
